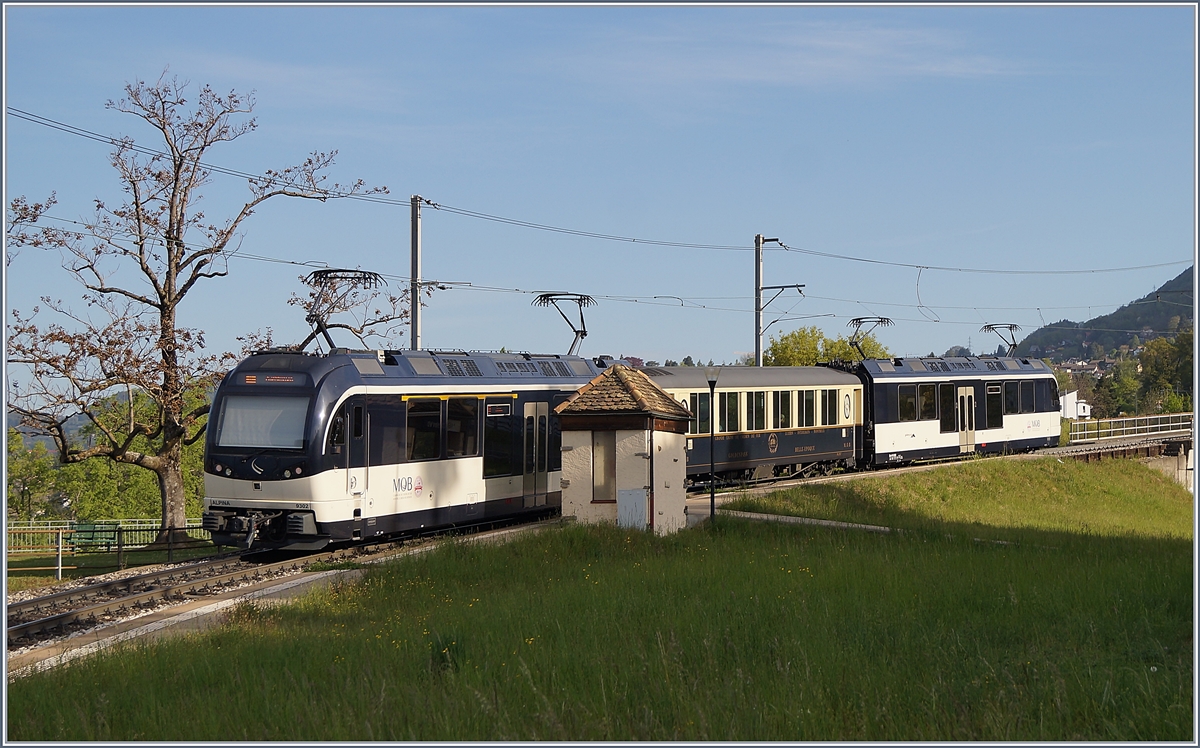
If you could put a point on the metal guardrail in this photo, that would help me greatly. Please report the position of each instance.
(38, 536)
(1121, 428)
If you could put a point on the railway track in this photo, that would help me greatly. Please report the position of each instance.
(63, 613)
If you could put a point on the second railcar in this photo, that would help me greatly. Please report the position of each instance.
(769, 421)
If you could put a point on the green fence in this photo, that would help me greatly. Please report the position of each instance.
(124, 538)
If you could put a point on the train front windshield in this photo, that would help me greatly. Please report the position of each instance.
(264, 422)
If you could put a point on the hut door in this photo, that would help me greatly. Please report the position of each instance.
(536, 463)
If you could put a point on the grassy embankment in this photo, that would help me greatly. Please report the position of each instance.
(1079, 629)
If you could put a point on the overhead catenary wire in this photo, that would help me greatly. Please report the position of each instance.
(684, 302)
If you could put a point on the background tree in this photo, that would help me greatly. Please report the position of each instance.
(31, 477)
(131, 340)
(808, 345)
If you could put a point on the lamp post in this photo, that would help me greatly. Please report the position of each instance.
(711, 373)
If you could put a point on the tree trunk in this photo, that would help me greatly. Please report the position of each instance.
(170, 486)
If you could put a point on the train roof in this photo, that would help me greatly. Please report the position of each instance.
(965, 366)
(430, 365)
(749, 377)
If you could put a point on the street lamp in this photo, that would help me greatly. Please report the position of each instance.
(711, 373)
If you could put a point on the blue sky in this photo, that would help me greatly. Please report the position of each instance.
(1000, 138)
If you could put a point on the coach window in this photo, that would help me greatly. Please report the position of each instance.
(727, 403)
(1047, 396)
(908, 402)
(424, 429)
(1012, 398)
(927, 402)
(756, 411)
(1026, 397)
(947, 402)
(462, 427)
(497, 437)
(700, 414)
(808, 406)
(829, 407)
(995, 405)
(781, 410)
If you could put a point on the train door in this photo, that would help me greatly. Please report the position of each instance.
(966, 419)
(536, 464)
(356, 458)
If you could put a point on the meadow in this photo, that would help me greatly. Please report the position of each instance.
(1043, 601)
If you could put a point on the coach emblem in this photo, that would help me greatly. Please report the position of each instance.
(772, 443)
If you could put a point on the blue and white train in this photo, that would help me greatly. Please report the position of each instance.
(307, 449)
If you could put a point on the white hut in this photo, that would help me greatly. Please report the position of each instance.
(624, 459)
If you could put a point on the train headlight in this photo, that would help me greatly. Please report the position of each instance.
(287, 473)
(299, 470)
(217, 468)
(228, 471)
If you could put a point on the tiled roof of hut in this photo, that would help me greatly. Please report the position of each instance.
(620, 389)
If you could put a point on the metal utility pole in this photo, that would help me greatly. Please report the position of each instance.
(758, 242)
(415, 286)
(758, 289)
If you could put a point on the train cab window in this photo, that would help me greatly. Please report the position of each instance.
(337, 432)
(756, 411)
(497, 437)
(781, 410)
(829, 407)
(946, 400)
(1026, 397)
(700, 413)
(927, 402)
(424, 432)
(995, 406)
(358, 421)
(727, 410)
(907, 401)
(462, 427)
(1012, 398)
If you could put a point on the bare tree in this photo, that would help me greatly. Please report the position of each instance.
(136, 263)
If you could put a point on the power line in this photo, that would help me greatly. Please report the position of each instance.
(127, 142)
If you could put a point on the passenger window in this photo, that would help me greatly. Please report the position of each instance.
(498, 438)
(1012, 398)
(1026, 397)
(947, 402)
(927, 398)
(756, 406)
(995, 406)
(462, 427)
(424, 431)
(700, 414)
(908, 402)
(829, 407)
(728, 411)
(809, 405)
(781, 407)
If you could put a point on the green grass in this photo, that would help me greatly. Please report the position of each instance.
(745, 631)
(1001, 499)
